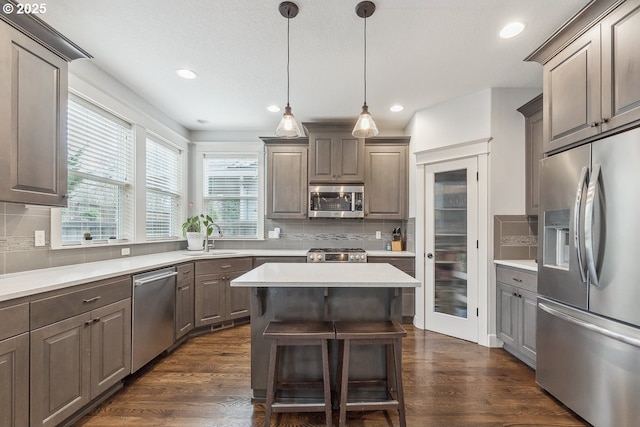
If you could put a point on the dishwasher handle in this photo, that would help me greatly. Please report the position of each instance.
(141, 282)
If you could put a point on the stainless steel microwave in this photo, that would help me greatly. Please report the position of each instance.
(339, 201)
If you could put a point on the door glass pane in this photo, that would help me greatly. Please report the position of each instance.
(451, 242)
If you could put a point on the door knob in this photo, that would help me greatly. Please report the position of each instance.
(429, 255)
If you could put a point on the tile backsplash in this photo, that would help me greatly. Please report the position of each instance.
(331, 233)
(515, 237)
(19, 253)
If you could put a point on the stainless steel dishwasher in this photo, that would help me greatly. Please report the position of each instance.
(154, 296)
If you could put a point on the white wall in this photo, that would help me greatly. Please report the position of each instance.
(489, 114)
(463, 119)
(507, 183)
(100, 87)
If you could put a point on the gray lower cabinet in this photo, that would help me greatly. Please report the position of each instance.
(14, 365)
(80, 347)
(406, 264)
(259, 260)
(185, 298)
(215, 300)
(287, 178)
(516, 312)
(386, 194)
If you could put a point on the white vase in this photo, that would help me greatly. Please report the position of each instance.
(195, 241)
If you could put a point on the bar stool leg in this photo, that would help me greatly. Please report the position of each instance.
(327, 383)
(271, 382)
(397, 357)
(344, 381)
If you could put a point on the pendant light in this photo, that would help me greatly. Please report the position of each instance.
(365, 126)
(288, 127)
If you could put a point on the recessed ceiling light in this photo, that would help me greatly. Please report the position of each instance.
(396, 108)
(273, 108)
(186, 74)
(511, 30)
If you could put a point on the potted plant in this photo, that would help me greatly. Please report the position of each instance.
(191, 229)
(87, 238)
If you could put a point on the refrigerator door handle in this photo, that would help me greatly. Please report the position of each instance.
(576, 220)
(590, 326)
(588, 224)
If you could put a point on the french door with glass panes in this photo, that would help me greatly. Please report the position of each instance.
(451, 261)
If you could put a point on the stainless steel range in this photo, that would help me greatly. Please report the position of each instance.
(336, 255)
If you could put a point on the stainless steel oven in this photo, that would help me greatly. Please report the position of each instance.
(336, 255)
(339, 201)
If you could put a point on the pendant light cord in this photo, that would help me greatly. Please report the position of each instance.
(365, 59)
(288, 19)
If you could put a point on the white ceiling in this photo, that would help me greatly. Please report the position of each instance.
(420, 53)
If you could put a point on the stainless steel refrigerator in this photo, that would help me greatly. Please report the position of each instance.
(588, 319)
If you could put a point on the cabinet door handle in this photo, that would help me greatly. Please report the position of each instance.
(88, 322)
(90, 300)
(604, 120)
(515, 279)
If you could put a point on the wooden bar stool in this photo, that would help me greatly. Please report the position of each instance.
(387, 333)
(298, 334)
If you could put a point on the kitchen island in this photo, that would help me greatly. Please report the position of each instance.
(320, 291)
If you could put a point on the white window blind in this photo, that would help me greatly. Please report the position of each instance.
(231, 193)
(164, 190)
(100, 153)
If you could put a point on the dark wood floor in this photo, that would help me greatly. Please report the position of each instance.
(448, 382)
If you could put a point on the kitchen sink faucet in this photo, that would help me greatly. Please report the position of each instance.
(206, 238)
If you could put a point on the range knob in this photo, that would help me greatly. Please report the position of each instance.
(352, 256)
(311, 257)
(319, 257)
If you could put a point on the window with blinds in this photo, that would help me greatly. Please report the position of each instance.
(163, 190)
(231, 193)
(100, 153)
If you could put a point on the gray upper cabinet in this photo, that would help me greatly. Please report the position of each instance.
(335, 156)
(386, 178)
(592, 85)
(532, 111)
(572, 92)
(621, 66)
(287, 177)
(33, 116)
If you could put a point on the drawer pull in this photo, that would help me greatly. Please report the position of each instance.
(225, 266)
(515, 279)
(186, 272)
(90, 300)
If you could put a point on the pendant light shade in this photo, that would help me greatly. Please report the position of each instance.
(288, 127)
(365, 126)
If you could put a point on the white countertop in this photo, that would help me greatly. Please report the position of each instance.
(17, 285)
(329, 275)
(524, 264)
